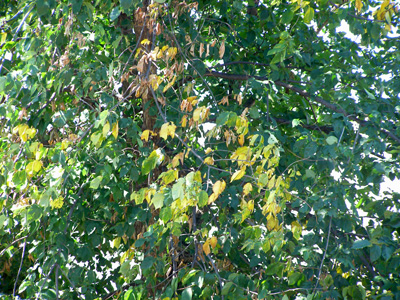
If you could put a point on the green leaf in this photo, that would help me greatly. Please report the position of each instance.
(331, 140)
(222, 118)
(294, 278)
(226, 288)
(178, 191)
(114, 14)
(129, 295)
(187, 294)
(150, 163)
(275, 268)
(166, 214)
(287, 16)
(2, 220)
(203, 199)
(94, 184)
(147, 263)
(126, 4)
(375, 252)
(158, 200)
(360, 244)
(309, 15)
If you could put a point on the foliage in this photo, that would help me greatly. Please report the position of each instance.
(199, 150)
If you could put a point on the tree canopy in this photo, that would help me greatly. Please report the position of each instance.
(199, 149)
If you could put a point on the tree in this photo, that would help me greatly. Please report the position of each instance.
(199, 150)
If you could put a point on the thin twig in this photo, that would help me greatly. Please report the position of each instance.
(323, 257)
(12, 243)
(56, 275)
(45, 279)
(19, 270)
(217, 273)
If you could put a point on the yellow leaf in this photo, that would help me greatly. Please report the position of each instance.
(238, 174)
(170, 84)
(114, 130)
(171, 52)
(250, 205)
(272, 222)
(212, 198)
(57, 203)
(248, 187)
(221, 50)
(208, 150)
(116, 242)
(184, 121)
(177, 158)
(241, 139)
(271, 182)
(106, 129)
(213, 242)
(196, 114)
(206, 247)
(33, 167)
(209, 161)
(145, 135)
(64, 144)
(145, 42)
(149, 193)
(359, 5)
(219, 187)
(167, 129)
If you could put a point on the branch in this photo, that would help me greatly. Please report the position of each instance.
(305, 94)
(326, 129)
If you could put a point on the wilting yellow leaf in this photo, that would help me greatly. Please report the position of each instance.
(114, 130)
(167, 129)
(208, 150)
(213, 242)
(238, 174)
(222, 50)
(170, 84)
(171, 52)
(241, 139)
(209, 161)
(177, 158)
(239, 99)
(145, 42)
(206, 247)
(201, 50)
(140, 65)
(224, 101)
(247, 188)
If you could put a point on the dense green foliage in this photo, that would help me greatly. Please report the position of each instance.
(199, 150)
